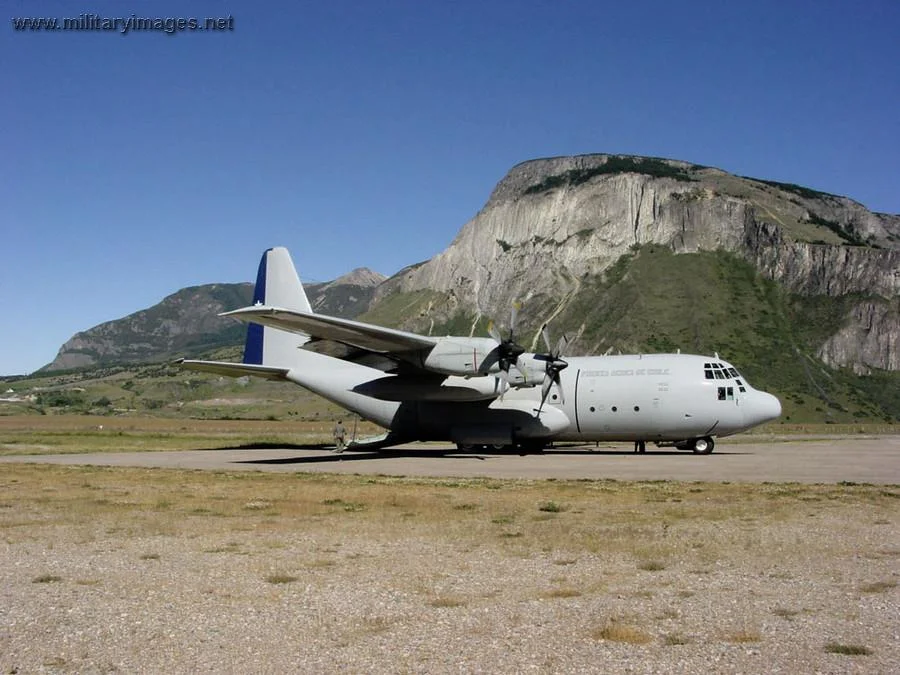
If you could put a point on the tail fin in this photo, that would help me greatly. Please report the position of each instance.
(277, 285)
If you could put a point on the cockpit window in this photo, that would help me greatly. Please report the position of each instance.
(708, 374)
(733, 372)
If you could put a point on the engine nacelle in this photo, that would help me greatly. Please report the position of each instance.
(528, 371)
(462, 356)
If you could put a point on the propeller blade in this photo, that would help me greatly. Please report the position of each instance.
(546, 335)
(561, 345)
(493, 332)
(502, 383)
(513, 315)
(545, 386)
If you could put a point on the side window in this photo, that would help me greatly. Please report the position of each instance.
(721, 393)
(730, 393)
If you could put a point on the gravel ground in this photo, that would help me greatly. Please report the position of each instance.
(193, 593)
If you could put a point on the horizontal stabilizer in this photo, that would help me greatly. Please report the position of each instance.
(234, 369)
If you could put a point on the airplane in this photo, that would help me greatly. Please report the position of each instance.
(483, 392)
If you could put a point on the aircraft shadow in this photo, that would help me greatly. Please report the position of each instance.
(271, 446)
(449, 453)
(362, 456)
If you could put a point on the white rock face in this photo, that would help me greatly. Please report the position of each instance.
(527, 239)
(870, 339)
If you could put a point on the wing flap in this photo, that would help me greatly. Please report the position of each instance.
(354, 333)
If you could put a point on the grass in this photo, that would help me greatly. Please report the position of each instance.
(67, 434)
(281, 578)
(615, 630)
(564, 592)
(847, 650)
(675, 639)
(651, 566)
(743, 636)
(550, 507)
(572, 566)
(46, 579)
(878, 586)
(786, 614)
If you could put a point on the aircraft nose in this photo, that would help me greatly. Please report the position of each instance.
(764, 408)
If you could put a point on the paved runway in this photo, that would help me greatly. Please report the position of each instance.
(804, 460)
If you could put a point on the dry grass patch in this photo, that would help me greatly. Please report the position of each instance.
(281, 578)
(563, 592)
(878, 586)
(674, 639)
(743, 636)
(46, 579)
(320, 563)
(602, 518)
(786, 614)
(150, 556)
(651, 566)
(847, 650)
(616, 630)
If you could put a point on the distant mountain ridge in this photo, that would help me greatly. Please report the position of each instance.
(186, 323)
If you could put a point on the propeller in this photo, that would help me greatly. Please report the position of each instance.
(508, 352)
(553, 366)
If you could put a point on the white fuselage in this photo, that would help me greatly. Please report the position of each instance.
(650, 397)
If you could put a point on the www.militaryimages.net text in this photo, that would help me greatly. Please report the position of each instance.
(86, 22)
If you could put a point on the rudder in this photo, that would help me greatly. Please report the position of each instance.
(277, 285)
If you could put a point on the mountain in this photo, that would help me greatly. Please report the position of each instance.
(186, 323)
(799, 288)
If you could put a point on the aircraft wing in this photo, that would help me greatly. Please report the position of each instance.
(234, 369)
(354, 333)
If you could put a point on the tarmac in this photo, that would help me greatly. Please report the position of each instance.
(852, 459)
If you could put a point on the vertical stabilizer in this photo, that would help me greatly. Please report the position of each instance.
(277, 285)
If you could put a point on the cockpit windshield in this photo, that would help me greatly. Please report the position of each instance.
(721, 371)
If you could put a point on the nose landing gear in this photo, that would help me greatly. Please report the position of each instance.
(703, 446)
(700, 446)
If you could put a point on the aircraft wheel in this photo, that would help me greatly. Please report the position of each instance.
(704, 446)
(497, 446)
(465, 447)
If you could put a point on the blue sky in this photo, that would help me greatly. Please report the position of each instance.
(367, 133)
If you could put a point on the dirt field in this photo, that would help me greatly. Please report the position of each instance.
(268, 560)
(149, 570)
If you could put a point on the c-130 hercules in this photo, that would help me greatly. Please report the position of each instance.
(487, 391)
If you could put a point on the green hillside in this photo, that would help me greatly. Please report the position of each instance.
(652, 300)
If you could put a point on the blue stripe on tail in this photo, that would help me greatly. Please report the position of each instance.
(253, 347)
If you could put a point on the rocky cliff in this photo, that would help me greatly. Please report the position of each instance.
(550, 224)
